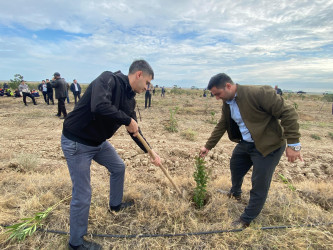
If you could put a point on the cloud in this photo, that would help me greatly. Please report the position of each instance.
(186, 42)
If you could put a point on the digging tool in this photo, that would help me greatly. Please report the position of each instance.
(161, 167)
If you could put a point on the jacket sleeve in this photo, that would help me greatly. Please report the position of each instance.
(54, 84)
(137, 141)
(275, 105)
(217, 133)
(101, 104)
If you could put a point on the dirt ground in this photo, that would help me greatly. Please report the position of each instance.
(34, 175)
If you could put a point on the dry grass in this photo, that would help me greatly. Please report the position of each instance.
(34, 176)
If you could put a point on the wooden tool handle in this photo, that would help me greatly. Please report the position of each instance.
(161, 167)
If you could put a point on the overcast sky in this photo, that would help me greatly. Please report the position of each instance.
(288, 43)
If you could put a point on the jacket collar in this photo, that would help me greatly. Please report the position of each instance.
(128, 89)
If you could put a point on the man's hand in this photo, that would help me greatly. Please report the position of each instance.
(155, 159)
(203, 152)
(292, 155)
(133, 128)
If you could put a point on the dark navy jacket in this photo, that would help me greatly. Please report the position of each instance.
(72, 88)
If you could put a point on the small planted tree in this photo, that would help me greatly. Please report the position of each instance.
(172, 125)
(212, 119)
(201, 178)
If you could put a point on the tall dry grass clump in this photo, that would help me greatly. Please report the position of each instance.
(27, 162)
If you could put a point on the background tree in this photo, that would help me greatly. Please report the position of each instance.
(13, 84)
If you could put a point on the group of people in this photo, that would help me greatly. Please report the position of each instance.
(6, 91)
(255, 117)
(60, 86)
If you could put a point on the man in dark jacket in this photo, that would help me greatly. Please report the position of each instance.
(49, 92)
(107, 104)
(76, 89)
(60, 88)
(148, 96)
(43, 88)
(251, 115)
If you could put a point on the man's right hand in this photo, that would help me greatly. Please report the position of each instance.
(203, 152)
(133, 128)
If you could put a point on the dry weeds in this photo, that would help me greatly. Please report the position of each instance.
(34, 176)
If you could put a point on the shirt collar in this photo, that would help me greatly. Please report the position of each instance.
(233, 100)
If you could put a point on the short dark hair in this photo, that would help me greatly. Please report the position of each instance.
(219, 81)
(141, 65)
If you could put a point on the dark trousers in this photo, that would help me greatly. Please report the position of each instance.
(29, 95)
(50, 97)
(61, 106)
(45, 96)
(76, 95)
(147, 98)
(244, 156)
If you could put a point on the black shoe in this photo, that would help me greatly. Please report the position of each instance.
(234, 196)
(26, 104)
(122, 206)
(86, 245)
(58, 115)
(35, 103)
(239, 224)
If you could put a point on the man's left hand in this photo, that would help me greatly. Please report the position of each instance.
(156, 160)
(293, 155)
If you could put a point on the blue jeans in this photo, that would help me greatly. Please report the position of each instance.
(79, 158)
(244, 156)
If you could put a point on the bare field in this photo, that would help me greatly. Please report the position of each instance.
(34, 176)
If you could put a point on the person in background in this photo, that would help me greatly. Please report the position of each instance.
(60, 88)
(261, 124)
(278, 90)
(163, 92)
(148, 96)
(76, 89)
(43, 88)
(17, 93)
(49, 92)
(204, 92)
(5, 86)
(67, 90)
(23, 87)
(107, 104)
(35, 93)
(9, 93)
